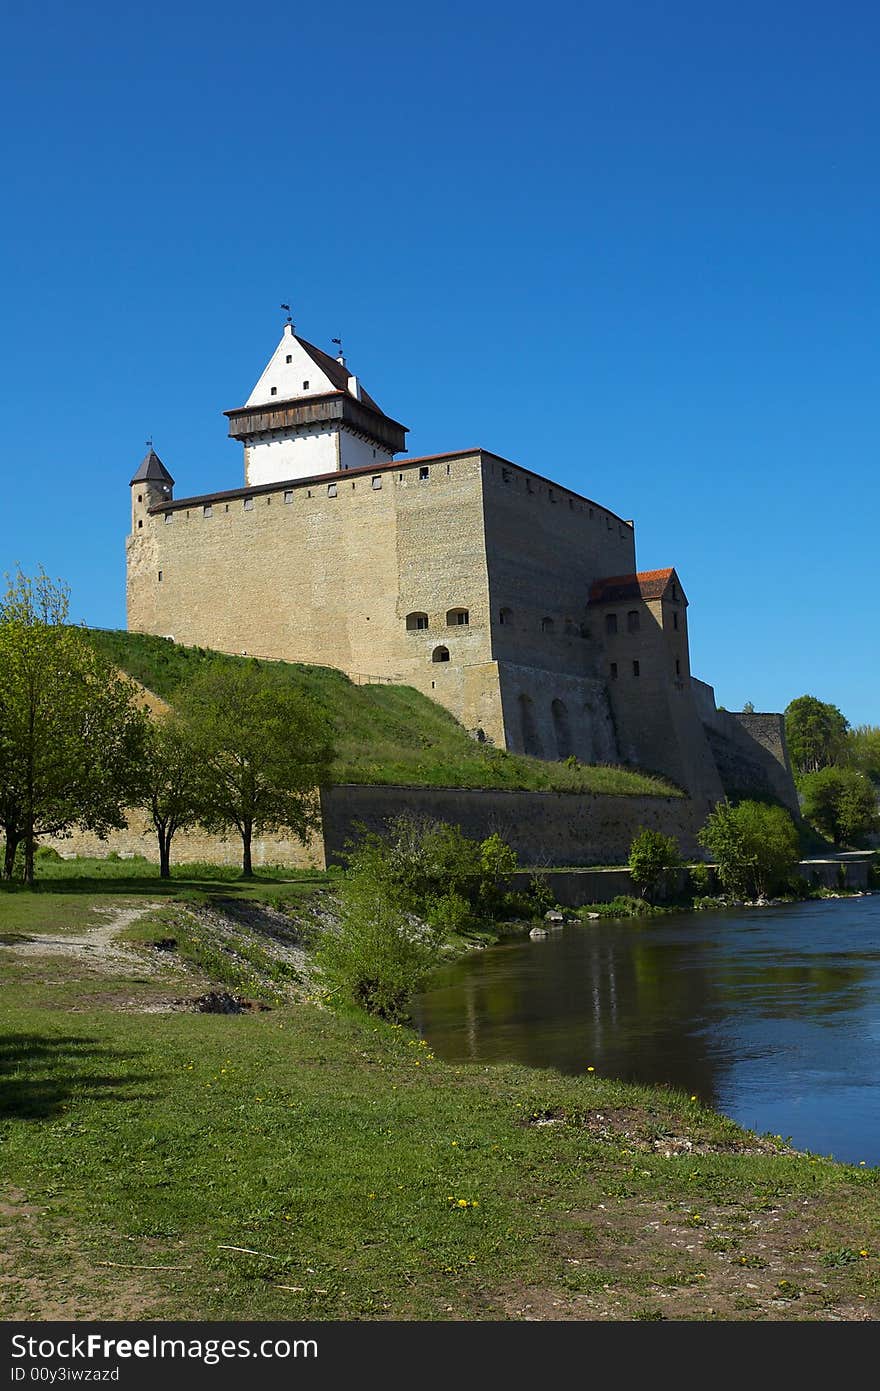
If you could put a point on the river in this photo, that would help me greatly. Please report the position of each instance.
(770, 1015)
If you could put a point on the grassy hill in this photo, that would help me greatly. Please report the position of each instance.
(384, 734)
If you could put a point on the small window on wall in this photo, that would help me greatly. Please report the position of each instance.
(440, 654)
(248, 504)
(288, 495)
(140, 524)
(678, 666)
(289, 357)
(632, 621)
(424, 475)
(273, 391)
(377, 482)
(546, 625)
(610, 623)
(160, 576)
(635, 669)
(458, 618)
(305, 384)
(331, 489)
(416, 622)
(140, 497)
(505, 616)
(675, 620)
(613, 671)
(207, 510)
(169, 517)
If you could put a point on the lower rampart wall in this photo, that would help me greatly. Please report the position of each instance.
(544, 828)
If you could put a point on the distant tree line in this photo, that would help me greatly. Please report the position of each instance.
(241, 751)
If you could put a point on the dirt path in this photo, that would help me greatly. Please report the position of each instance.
(95, 946)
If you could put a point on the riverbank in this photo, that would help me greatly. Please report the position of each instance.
(292, 1163)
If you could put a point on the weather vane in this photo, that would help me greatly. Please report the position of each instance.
(149, 442)
(338, 342)
(287, 307)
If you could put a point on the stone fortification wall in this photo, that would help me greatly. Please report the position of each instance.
(550, 714)
(194, 846)
(326, 572)
(544, 547)
(750, 751)
(544, 828)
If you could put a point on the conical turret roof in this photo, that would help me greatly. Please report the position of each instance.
(152, 470)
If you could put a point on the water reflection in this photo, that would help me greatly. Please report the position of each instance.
(771, 1015)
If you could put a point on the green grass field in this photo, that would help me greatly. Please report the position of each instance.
(294, 1163)
(383, 733)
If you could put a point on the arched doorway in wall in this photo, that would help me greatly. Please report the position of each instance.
(561, 729)
(531, 740)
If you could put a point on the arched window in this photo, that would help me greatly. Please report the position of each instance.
(457, 618)
(546, 625)
(632, 621)
(415, 622)
(505, 616)
(440, 654)
(610, 623)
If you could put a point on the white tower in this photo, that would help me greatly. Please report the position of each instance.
(308, 415)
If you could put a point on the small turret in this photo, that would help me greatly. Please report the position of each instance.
(151, 485)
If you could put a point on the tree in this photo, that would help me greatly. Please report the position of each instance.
(650, 856)
(863, 750)
(815, 733)
(71, 733)
(262, 751)
(839, 802)
(170, 782)
(754, 845)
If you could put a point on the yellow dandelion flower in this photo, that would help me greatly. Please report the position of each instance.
(462, 1202)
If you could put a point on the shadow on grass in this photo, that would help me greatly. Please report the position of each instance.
(40, 1073)
(151, 887)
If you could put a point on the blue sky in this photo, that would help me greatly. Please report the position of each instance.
(632, 246)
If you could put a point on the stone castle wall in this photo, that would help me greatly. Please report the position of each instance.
(544, 828)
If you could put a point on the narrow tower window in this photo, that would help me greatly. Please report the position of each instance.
(415, 622)
(505, 616)
(610, 623)
(273, 391)
(632, 621)
(635, 668)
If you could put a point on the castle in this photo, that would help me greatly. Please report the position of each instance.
(512, 600)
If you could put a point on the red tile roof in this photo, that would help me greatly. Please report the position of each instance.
(647, 584)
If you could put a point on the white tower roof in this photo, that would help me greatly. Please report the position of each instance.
(298, 370)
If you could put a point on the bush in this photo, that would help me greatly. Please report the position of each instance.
(379, 953)
(624, 906)
(651, 855)
(47, 854)
(401, 895)
(755, 846)
(701, 880)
